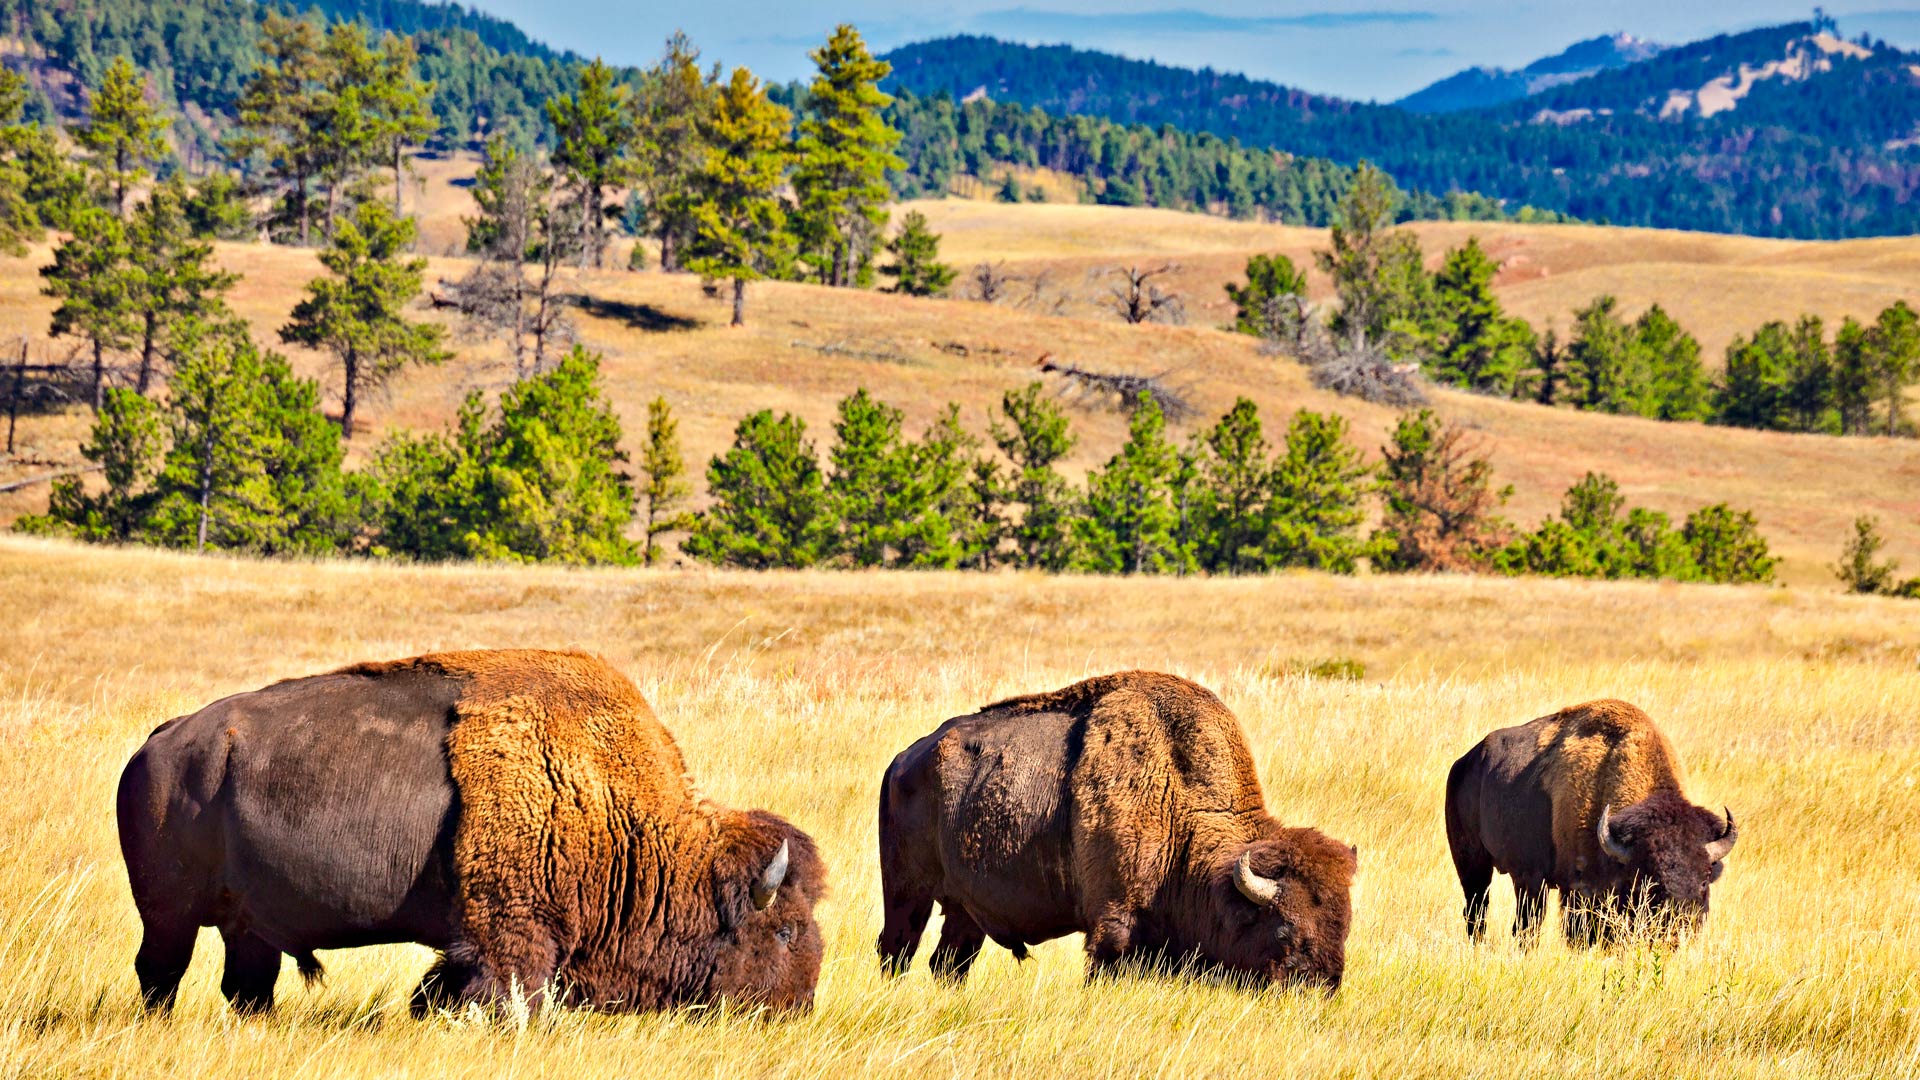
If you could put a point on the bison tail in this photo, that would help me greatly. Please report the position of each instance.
(1018, 949)
(310, 967)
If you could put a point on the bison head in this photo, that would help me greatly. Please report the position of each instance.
(766, 880)
(1286, 909)
(1670, 850)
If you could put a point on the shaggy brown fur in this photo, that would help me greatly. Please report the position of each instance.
(1118, 807)
(1527, 802)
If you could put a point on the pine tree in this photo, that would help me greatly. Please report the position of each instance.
(90, 277)
(1036, 436)
(283, 106)
(665, 489)
(841, 160)
(252, 465)
(1727, 545)
(593, 149)
(123, 130)
(171, 279)
(1752, 389)
(1131, 520)
(770, 502)
(1605, 372)
(675, 100)
(1385, 294)
(1476, 345)
(126, 444)
(1442, 508)
(1853, 377)
(1894, 344)
(870, 475)
(1319, 487)
(1236, 490)
(739, 223)
(356, 312)
(1858, 569)
(1270, 304)
(1677, 383)
(1807, 394)
(218, 210)
(399, 108)
(20, 217)
(916, 268)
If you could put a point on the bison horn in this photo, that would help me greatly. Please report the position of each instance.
(1614, 848)
(1718, 849)
(1251, 885)
(765, 889)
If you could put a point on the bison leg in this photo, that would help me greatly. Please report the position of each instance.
(1475, 869)
(166, 948)
(252, 967)
(960, 941)
(1109, 942)
(906, 919)
(1529, 908)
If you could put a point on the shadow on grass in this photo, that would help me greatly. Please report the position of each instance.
(638, 316)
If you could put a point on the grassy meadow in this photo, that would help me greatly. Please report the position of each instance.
(791, 691)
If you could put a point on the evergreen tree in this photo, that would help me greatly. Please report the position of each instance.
(1853, 377)
(1677, 383)
(739, 223)
(1035, 437)
(170, 277)
(1894, 344)
(871, 472)
(218, 210)
(666, 489)
(1269, 305)
(251, 464)
(1476, 345)
(1752, 388)
(1858, 568)
(977, 509)
(769, 500)
(1319, 486)
(1727, 545)
(398, 108)
(123, 130)
(675, 101)
(20, 216)
(89, 275)
(284, 106)
(1592, 539)
(842, 157)
(356, 312)
(593, 149)
(1131, 520)
(1807, 394)
(1442, 508)
(1385, 293)
(126, 444)
(1605, 371)
(916, 268)
(1236, 490)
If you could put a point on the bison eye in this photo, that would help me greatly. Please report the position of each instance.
(1718, 869)
(785, 934)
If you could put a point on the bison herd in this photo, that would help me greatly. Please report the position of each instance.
(525, 814)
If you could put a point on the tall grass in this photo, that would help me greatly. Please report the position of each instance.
(793, 691)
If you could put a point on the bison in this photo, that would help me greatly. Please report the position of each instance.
(1125, 807)
(523, 812)
(1588, 801)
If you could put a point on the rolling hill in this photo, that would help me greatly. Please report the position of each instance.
(1480, 87)
(1817, 147)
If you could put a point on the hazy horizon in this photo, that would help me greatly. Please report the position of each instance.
(1356, 50)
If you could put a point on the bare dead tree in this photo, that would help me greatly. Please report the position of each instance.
(1043, 294)
(1359, 368)
(1137, 299)
(498, 298)
(1120, 390)
(990, 282)
(43, 386)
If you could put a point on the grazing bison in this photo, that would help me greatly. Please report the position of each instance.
(1587, 801)
(1125, 807)
(523, 812)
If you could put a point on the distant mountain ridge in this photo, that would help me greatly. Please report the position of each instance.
(1783, 131)
(1480, 87)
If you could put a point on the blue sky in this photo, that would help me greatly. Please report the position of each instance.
(1367, 49)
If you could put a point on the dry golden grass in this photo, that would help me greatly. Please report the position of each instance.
(791, 691)
(805, 347)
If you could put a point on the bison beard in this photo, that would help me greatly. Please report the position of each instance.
(1590, 802)
(1124, 807)
(522, 811)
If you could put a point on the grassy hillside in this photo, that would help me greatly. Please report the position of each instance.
(791, 691)
(806, 347)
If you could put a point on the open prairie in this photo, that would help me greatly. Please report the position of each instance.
(792, 691)
(805, 347)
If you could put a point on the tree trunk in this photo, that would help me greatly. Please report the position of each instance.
(149, 332)
(669, 255)
(306, 238)
(120, 181)
(739, 301)
(99, 376)
(206, 484)
(397, 162)
(352, 362)
(590, 228)
(19, 391)
(332, 197)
